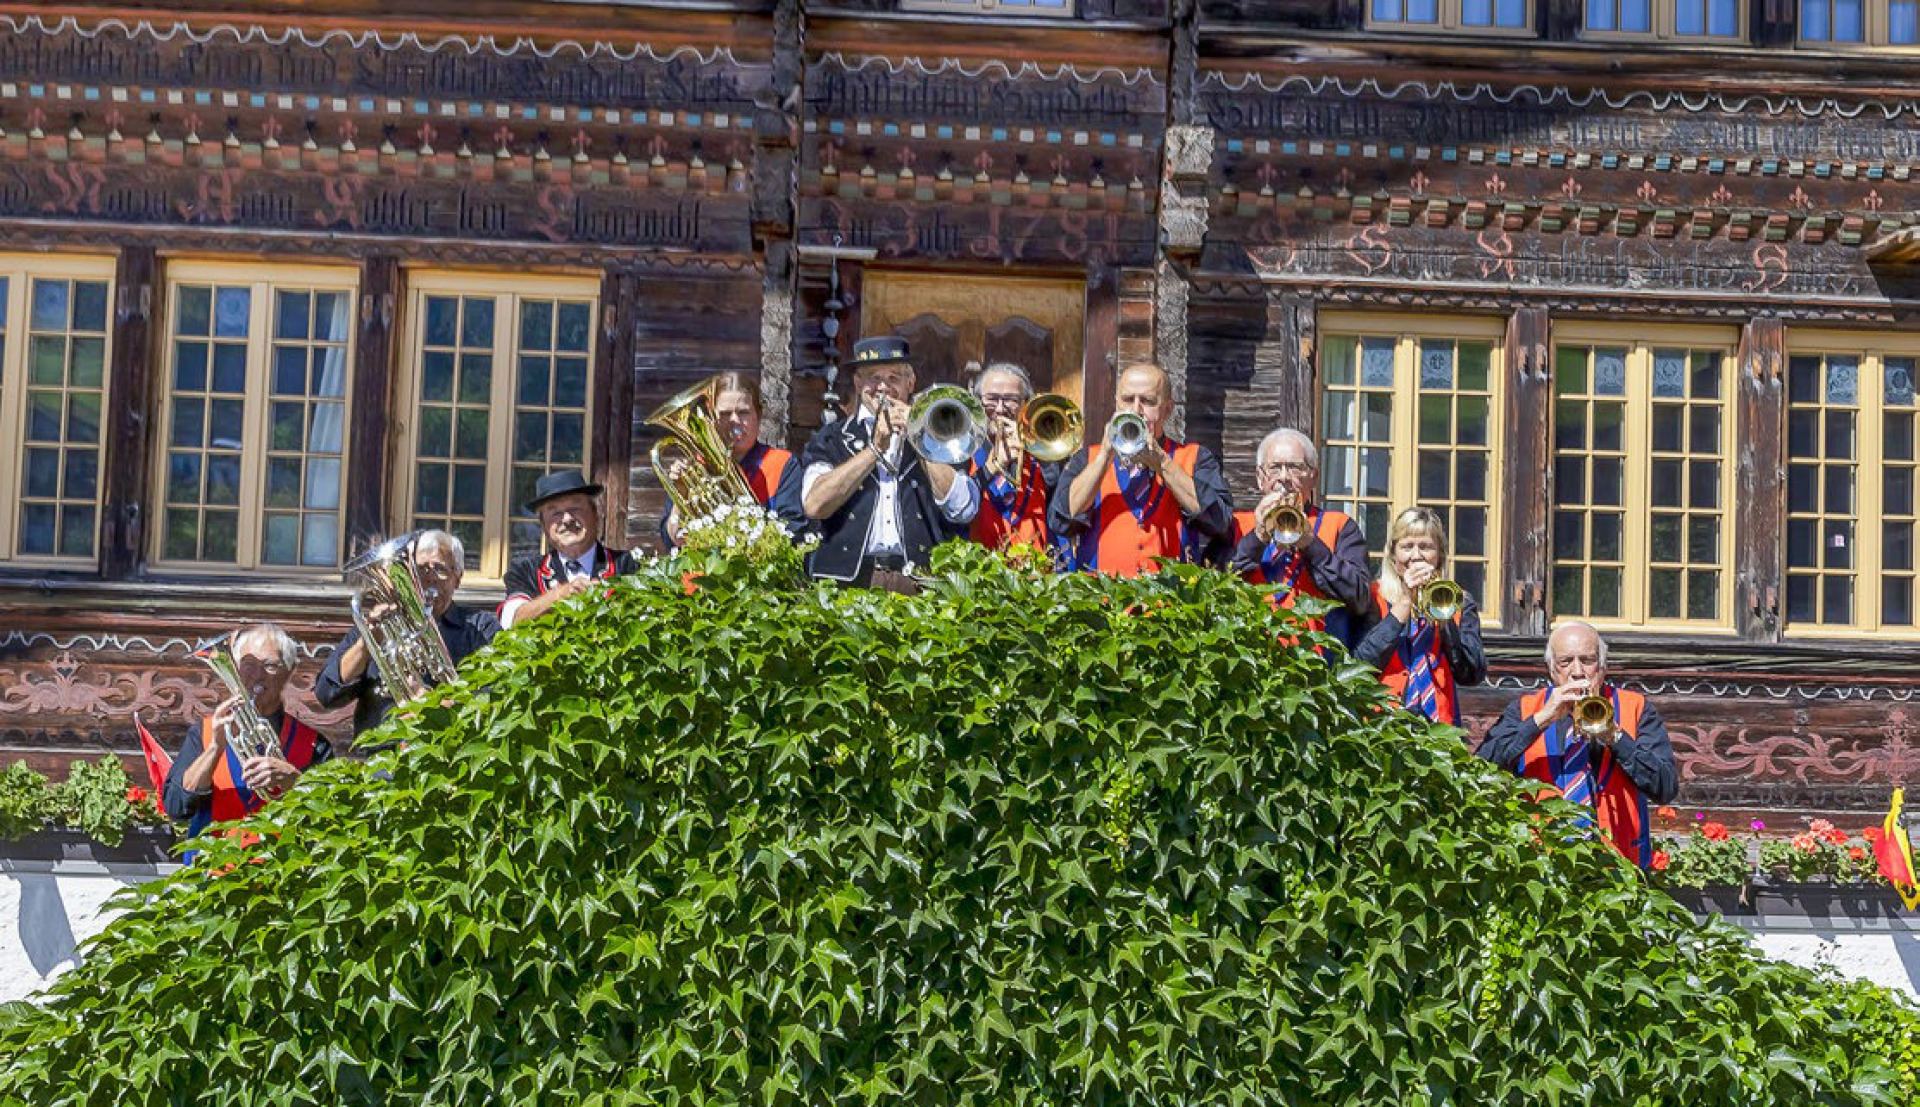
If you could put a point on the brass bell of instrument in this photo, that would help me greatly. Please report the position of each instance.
(1593, 716)
(1050, 427)
(706, 478)
(1439, 600)
(946, 424)
(1287, 524)
(1128, 435)
(404, 641)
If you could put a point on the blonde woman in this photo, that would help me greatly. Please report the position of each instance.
(1425, 663)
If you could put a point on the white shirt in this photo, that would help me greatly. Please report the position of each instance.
(511, 609)
(959, 505)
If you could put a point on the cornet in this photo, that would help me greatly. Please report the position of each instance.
(1439, 600)
(1128, 435)
(1287, 525)
(1593, 717)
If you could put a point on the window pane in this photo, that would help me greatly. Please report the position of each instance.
(1476, 13)
(309, 354)
(1636, 15)
(1600, 15)
(1903, 29)
(1849, 22)
(58, 483)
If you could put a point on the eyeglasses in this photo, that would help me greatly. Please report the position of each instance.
(436, 571)
(1283, 467)
(270, 668)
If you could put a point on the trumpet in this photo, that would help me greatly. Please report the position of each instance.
(946, 424)
(1593, 717)
(1050, 427)
(1128, 435)
(1439, 600)
(1286, 523)
(247, 734)
(692, 460)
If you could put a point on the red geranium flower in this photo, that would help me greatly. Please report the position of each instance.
(1714, 832)
(1661, 860)
(1804, 842)
(1835, 836)
(1857, 853)
(1873, 834)
(1666, 813)
(136, 795)
(1820, 826)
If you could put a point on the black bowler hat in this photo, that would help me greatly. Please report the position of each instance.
(879, 351)
(560, 484)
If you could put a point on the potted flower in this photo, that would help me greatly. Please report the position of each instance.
(1707, 869)
(1821, 871)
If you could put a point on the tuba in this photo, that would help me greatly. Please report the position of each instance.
(404, 641)
(1288, 524)
(1593, 717)
(692, 459)
(1050, 427)
(1128, 435)
(946, 424)
(247, 734)
(1439, 600)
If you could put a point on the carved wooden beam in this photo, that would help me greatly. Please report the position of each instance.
(375, 347)
(1526, 483)
(1759, 555)
(123, 530)
(613, 414)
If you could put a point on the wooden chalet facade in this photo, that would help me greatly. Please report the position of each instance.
(1636, 306)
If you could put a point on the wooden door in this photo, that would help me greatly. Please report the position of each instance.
(949, 320)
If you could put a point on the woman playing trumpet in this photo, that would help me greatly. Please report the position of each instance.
(1426, 640)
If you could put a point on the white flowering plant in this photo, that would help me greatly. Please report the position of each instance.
(744, 531)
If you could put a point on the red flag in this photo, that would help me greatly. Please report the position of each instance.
(159, 765)
(1894, 850)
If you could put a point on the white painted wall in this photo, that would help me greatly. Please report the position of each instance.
(47, 910)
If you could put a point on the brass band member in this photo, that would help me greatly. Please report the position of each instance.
(567, 505)
(1424, 656)
(439, 561)
(210, 782)
(1590, 741)
(880, 506)
(1168, 502)
(1014, 486)
(1329, 562)
(770, 471)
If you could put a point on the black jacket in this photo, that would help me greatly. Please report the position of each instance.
(843, 535)
(464, 633)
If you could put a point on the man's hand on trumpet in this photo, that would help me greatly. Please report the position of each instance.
(1005, 455)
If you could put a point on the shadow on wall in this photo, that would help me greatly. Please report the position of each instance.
(45, 932)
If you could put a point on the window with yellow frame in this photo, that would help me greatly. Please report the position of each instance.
(254, 410)
(497, 395)
(1643, 477)
(54, 346)
(1851, 460)
(1409, 414)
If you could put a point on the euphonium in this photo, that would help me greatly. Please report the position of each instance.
(706, 479)
(247, 734)
(404, 640)
(1439, 600)
(1287, 525)
(1593, 716)
(946, 424)
(1128, 435)
(1050, 427)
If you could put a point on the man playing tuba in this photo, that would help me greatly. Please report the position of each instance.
(221, 774)
(439, 561)
(568, 507)
(1590, 741)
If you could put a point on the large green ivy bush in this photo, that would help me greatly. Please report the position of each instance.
(1018, 840)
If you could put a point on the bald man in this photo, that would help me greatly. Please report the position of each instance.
(1169, 503)
(1618, 773)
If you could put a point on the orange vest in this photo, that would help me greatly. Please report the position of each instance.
(1025, 523)
(1445, 695)
(1120, 544)
(1327, 529)
(762, 467)
(1618, 804)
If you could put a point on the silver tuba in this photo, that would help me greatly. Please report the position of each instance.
(247, 734)
(404, 641)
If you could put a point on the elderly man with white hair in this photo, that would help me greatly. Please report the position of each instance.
(1617, 767)
(209, 782)
(1329, 563)
(439, 560)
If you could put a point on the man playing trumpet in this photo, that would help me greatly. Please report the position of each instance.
(1589, 741)
(1139, 498)
(1325, 557)
(1014, 485)
(439, 561)
(218, 777)
(881, 507)
(1425, 642)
